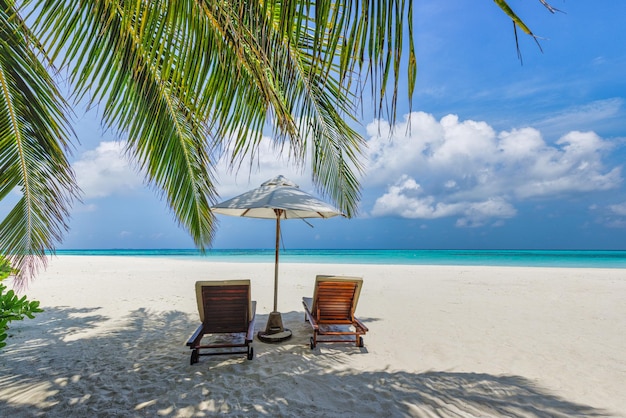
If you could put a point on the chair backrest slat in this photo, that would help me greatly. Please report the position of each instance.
(224, 306)
(335, 298)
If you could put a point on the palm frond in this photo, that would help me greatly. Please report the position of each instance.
(33, 147)
(296, 69)
(134, 57)
(186, 80)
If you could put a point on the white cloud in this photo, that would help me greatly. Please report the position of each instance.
(611, 216)
(86, 207)
(466, 169)
(105, 171)
(619, 209)
(477, 213)
(406, 199)
(574, 167)
(584, 115)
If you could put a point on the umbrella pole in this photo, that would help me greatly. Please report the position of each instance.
(274, 330)
(276, 261)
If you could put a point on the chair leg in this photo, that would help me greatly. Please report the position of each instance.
(195, 356)
(313, 340)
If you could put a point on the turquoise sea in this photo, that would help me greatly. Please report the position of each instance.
(529, 258)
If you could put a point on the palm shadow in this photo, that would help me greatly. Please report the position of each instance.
(76, 362)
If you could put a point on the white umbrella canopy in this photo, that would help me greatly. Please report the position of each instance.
(277, 198)
(275, 194)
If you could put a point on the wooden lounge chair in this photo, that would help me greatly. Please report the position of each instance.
(227, 316)
(331, 310)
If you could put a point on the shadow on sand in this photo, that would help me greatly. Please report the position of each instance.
(69, 362)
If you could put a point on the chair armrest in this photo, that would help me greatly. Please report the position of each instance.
(360, 325)
(250, 334)
(307, 302)
(196, 336)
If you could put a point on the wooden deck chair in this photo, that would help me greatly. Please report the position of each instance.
(227, 315)
(331, 310)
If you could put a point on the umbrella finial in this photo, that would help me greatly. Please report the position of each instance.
(280, 180)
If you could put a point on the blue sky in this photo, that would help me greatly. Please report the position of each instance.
(499, 155)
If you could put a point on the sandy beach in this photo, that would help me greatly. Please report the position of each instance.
(445, 341)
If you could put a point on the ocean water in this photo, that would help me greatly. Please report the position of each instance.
(523, 258)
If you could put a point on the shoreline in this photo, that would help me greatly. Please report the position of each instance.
(512, 258)
(467, 340)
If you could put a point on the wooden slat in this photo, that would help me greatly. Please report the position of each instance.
(335, 301)
(225, 308)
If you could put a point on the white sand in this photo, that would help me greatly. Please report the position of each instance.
(443, 341)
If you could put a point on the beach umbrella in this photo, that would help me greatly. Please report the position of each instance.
(277, 199)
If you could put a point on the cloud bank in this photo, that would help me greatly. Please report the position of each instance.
(440, 168)
(423, 168)
(106, 171)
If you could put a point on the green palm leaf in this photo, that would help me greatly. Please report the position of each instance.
(129, 55)
(33, 134)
